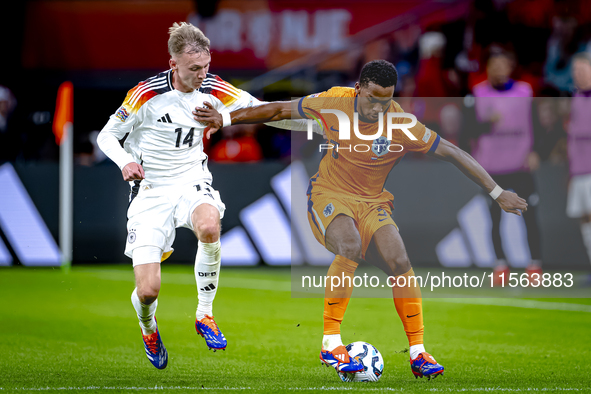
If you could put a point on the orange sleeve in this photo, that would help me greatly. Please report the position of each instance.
(426, 139)
(309, 107)
(336, 91)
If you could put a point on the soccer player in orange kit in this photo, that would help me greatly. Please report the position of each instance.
(349, 209)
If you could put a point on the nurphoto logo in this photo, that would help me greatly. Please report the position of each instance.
(381, 144)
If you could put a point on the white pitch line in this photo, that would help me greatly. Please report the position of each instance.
(322, 388)
(132, 388)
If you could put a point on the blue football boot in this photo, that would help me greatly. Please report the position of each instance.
(209, 330)
(425, 365)
(155, 350)
(339, 359)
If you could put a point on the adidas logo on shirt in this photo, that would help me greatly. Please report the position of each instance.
(165, 119)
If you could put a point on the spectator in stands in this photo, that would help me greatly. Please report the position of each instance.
(549, 133)
(450, 119)
(432, 80)
(505, 151)
(563, 43)
(579, 148)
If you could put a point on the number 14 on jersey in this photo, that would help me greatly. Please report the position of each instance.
(188, 138)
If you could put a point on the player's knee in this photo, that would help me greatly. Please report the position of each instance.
(398, 265)
(208, 232)
(148, 293)
(350, 250)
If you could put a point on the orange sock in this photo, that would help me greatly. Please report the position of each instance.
(337, 299)
(409, 305)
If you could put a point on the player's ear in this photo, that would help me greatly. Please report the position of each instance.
(172, 63)
(357, 88)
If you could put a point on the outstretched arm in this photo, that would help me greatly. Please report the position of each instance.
(270, 112)
(509, 202)
(263, 113)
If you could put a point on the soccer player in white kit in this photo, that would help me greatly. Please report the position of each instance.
(163, 160)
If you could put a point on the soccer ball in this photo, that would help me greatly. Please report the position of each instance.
(370, 357)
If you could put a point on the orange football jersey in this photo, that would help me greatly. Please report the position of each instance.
(355, 166)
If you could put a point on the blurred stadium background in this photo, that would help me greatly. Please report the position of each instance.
(278, 49)
(77, 331)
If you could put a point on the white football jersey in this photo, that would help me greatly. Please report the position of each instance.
(162, 135)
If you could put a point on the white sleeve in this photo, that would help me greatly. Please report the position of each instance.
(119, 124)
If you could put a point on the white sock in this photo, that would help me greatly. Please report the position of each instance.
(415, 350)
(207, 273)
(330, 342)
(586, 233)
(145, 313)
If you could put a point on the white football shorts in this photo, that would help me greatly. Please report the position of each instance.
(579, 196)
(156, 212)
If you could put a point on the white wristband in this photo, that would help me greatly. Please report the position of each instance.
(226, 119)
(496, 192)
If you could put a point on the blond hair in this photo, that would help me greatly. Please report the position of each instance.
(186, 38)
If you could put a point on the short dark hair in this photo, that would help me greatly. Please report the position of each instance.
(380, 72)
(495, 51)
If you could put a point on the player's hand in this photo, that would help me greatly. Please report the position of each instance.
(208, 115)
(511, 202)
(133, 172)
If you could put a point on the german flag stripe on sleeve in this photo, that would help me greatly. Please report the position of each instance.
(146, 90)
(220, 89)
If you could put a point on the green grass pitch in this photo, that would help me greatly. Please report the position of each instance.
(77, 332)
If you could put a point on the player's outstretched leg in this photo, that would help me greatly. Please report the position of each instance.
(155, 350)
(409, 305)
(207, 271)
(336, 299)
(388, 253)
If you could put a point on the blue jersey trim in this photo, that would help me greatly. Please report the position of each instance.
(300, 109)
(435, 144)
(310, 203)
